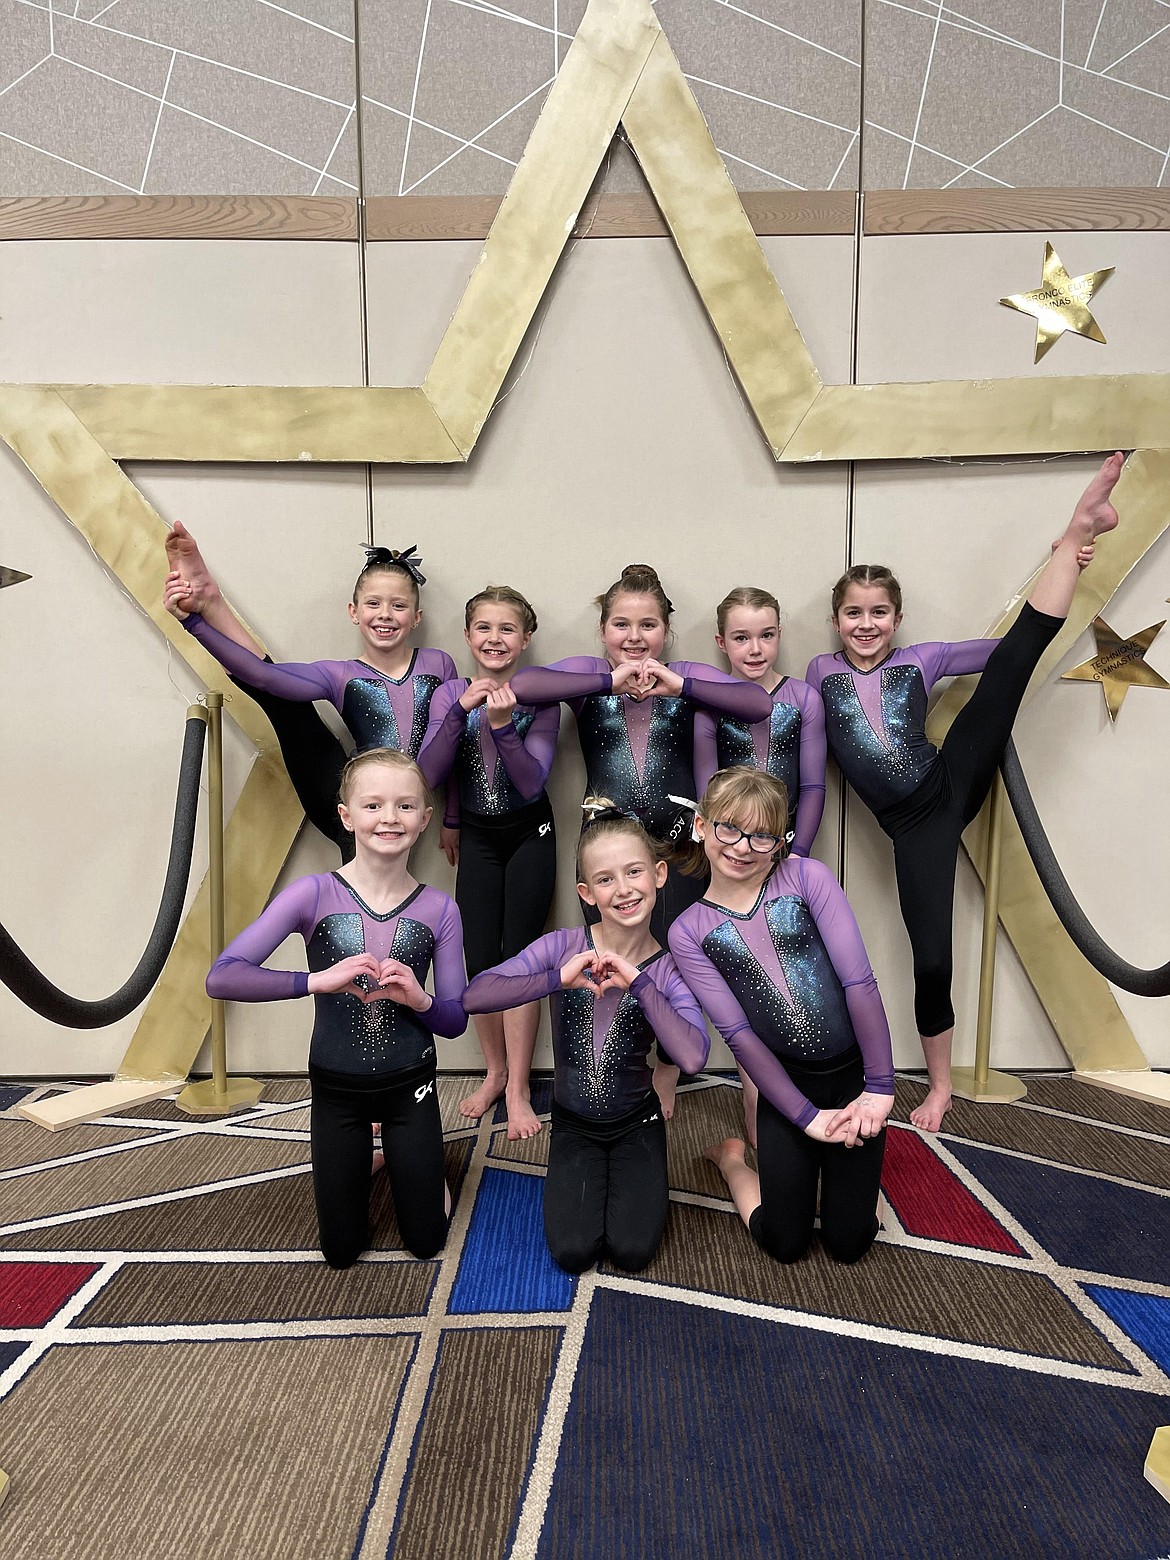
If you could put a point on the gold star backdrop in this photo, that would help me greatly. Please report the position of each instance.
(1120, 664)
(619, 70)
(1060, 303)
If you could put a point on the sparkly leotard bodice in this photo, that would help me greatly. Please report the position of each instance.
(789, 745)
(349, 1035)
(379, 710)
(499, 769)
(875, 720)
(601, 1042)
(640, 751)
(787, 982)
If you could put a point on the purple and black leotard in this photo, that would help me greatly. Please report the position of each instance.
(367, 1061)
(789, 745)
(606, 1188)
(789, 986)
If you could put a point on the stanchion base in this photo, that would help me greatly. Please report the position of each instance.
(202, 1099)
(1144, 1085)
(996, 1089)
(1157, 1469)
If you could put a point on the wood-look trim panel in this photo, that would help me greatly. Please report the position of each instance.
(392, 218)
(890, 212)
(298, 217)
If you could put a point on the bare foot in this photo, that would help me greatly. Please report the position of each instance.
(930, 1113)
(1095, 513)
(184, 556)
(489, 1091)
(666, 1086)
(378, 1160)
(730, 1151)
(523, 1122)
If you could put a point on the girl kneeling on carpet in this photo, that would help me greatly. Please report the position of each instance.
(371, 933)
(612, 992)
(773, 953)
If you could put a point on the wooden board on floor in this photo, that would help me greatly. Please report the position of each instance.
(96, 1099)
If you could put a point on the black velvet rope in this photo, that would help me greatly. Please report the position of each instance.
(1143, 983)
(23, 978)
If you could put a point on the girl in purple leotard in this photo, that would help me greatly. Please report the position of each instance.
(875, 698)
(612, 991)
(499, 753)
(635, 721)
(383, 697)
(773, 954)
(790, 744)
(372, 934)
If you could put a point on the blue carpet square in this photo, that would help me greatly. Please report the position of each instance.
(696, 1432)
(10, 1352)
(11, 1094)
(1145, 1318)
(1079, 1220)
(505, 1264)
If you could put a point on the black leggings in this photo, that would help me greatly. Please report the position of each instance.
(507, 872)
(412, 1141)
(791, 1163)
(314, 759)
(926, 838)
(606, 1190)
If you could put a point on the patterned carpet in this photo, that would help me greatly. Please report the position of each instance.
(181, 1376)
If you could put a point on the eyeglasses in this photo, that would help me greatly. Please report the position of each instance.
(764, 844)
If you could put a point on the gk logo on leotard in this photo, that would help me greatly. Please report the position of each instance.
(421, 1094)
(545, 828)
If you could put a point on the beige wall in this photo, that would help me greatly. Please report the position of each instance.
(624, 436)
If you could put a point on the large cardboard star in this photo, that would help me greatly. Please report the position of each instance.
(619, 70)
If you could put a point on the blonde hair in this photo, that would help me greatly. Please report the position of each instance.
(506, 596)
(750, 798)
(868, 574)
(638, 579)
(750, 596)
(391, 758)
(604, 820)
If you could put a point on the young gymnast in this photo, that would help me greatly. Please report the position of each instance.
(773, 953)
(611, 991)
(789, 745)
(875, 700)
(383, 698)
(635, 721)
(371, 934)
(501, 754)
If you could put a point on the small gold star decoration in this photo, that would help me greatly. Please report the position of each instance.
(1060, 303)
(11, 576)
(1120, 664)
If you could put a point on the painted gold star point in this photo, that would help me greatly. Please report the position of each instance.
(1120, 664)
(1061, 303)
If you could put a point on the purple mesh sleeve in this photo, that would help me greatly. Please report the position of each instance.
(715, 690)
(813, 758)
(674, 1015)
(842, 939)
(300, 681)
(717, 1001)
(706, 751)
(574, 678)
(444, 729)
(237, 975)
(534, 973)
(446, 1016)
(528, 759)
(953, 660)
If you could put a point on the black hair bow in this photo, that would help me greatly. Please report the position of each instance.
(408, 560)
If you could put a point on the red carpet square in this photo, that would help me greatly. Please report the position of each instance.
(32, 1292)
